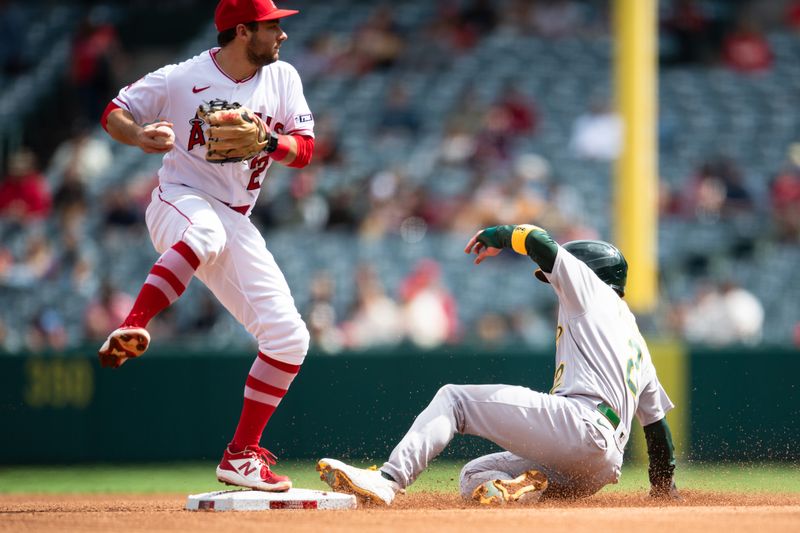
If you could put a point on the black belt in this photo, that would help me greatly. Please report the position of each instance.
(609, 413)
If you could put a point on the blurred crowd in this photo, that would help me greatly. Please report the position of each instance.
(57, 210)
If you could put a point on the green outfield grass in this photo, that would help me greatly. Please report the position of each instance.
(442, 476)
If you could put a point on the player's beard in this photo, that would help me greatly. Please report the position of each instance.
(257, 58)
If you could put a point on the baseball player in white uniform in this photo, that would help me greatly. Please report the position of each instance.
(568, 443)
(198, 218)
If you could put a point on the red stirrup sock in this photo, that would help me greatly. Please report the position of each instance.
(266, 385)
(166, 282)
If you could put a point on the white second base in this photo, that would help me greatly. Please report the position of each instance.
(255, 500)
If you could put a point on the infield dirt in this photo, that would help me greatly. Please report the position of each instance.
(443, 513)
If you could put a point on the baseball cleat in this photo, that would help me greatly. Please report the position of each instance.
(526, 488)
(124, 343)
(366, 483)
(250, 468)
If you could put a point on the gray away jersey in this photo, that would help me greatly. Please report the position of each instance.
(600, 353)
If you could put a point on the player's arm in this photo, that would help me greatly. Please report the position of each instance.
(151, 138)
(661, 455)
(525, 239)
(293, 150)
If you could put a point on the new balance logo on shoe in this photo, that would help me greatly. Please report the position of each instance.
(247, 469)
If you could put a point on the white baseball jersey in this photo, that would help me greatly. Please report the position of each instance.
(174, 92)
(600, 353)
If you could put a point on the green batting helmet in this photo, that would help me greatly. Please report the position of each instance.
(603, 258)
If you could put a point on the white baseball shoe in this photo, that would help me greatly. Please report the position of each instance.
(250, 468)
(124, 343)
(526, 488)
(365, 483)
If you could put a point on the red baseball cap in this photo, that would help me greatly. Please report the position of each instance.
(229, 13)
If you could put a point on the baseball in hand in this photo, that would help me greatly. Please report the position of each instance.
(167, 136)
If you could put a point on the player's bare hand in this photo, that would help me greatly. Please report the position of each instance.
(156, 138)
(480, 249)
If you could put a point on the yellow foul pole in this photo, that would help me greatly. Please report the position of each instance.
(636, 189)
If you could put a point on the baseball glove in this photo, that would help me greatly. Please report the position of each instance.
(234, 133)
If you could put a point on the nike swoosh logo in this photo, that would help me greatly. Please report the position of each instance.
(195, 90)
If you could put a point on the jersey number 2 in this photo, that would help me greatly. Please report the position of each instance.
(257, 165)
(634, 364)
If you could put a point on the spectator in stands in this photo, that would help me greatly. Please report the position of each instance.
(312, 207)
(458, 145)
(556, 18)
(375, 319)
(706, 194)
(717, 190)
(327, 145)
(81, 156)
(119, 212)
(74, 267)
(432, 45)
(320, 56)
(344, 213)
(377, 45)
(531, 328)
(24, 193)
(745, 313)
(47, 331)
(96, 52)
(429, 310)
(6, 262)
(205, 318)
(520, 111)
(685, 35)
(784, 192)
(746, 49)
(5, 344)
(494, 140)
(487, 202)
(71, 198)
(398, 116)
(792, 15)
(320, 315)
(39, 261)
(386, 209)
(723, 314)
(493, 330)
(106, 311)
(597, 133)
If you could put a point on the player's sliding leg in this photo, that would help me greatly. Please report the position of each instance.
(431, 432)
(248, 282)
(370, 484)
(545, 429)
(503, 478)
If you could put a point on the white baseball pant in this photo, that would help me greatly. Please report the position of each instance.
(235, 265)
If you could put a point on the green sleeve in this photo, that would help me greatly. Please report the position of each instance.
(538, 243)
(661, 453)
(542, 249)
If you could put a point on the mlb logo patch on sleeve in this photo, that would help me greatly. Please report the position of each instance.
(302, 119)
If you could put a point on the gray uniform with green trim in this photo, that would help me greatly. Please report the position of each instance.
(601, 359)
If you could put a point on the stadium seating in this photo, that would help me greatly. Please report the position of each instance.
(710, 111)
